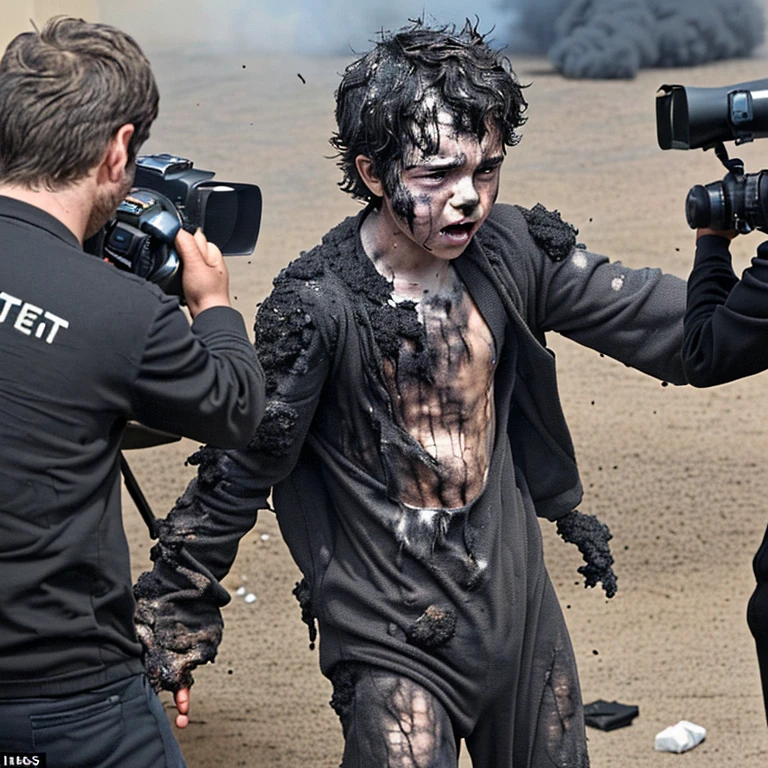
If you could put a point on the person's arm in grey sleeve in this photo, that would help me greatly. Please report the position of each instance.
(632, 315)
(726, 323)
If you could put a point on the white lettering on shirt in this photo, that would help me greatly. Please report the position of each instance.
(30, 319)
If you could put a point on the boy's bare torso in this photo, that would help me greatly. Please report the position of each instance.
(451, 416)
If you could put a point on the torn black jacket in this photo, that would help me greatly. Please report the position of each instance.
(304, 329)
(321, 336)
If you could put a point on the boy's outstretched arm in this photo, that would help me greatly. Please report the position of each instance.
(178, 602)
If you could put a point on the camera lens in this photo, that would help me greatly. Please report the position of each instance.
(698, 209)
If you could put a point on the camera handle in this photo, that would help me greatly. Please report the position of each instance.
(139, 499)
(732, 165)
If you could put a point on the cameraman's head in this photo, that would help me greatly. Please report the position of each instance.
(76, 103)
(392, 101)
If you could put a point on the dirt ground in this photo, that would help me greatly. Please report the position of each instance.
(676, 472)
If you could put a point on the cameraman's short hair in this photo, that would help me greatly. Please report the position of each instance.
(64, 92)
(389, 100)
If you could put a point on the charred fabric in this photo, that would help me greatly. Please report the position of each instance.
(394, 325)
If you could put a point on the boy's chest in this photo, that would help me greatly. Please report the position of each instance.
(450, 380)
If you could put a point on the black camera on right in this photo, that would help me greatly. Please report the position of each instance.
(691, 118)
(170, 193)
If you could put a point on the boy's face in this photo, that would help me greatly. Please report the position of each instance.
(441, 200)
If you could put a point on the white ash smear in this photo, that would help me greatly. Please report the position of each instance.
(579, 260)
(617, 283)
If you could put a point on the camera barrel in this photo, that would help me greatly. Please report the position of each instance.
(739, 201)
(699, 206)
(756, 200)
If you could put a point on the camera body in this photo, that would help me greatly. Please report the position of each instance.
(169, 194)
(691, 118)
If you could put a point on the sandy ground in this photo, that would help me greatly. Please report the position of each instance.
(676, 472)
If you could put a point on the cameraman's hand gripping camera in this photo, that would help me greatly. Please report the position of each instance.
(169, 194)
(689, 118)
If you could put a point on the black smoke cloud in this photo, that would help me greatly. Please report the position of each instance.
(615, 38)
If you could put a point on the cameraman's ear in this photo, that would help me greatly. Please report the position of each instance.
(118, 155)
(364, 167)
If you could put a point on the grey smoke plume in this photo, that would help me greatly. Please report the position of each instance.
(533, 27)
(615, 38)
(584, 38)
(339, 27)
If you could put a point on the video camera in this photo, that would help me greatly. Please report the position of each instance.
(691, 118)
(168, 194)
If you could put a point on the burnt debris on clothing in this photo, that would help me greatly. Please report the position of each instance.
(170, 653)
(435, 627)
(551, 233)
(591, 537)
(303, 594)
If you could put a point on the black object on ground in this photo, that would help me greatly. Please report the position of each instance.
(607, 715)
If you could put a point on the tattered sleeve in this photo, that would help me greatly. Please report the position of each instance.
(177, 602)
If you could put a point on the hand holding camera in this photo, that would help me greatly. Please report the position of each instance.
(205, 277)
(689, 118)
(169, 197)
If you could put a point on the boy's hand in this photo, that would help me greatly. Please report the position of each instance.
(204, 276)
(591, 537)
(181, 699)
(172, 650)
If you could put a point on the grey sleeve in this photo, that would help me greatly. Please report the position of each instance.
(632, 315)
(203, 382)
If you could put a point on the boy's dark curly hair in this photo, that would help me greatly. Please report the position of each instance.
(389, 100)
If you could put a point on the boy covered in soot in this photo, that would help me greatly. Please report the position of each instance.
(414, 430)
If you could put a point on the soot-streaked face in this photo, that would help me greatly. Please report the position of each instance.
(441, 200)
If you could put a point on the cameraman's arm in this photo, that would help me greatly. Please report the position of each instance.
(205, 384)
(726, 321)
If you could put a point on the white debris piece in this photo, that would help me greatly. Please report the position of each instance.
(250, 598)
(265, 537)
(241, 591)
(680, 737)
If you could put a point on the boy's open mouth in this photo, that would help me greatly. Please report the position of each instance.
(458, 230)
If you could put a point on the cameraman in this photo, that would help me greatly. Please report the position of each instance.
(726, 338)
(84, 349)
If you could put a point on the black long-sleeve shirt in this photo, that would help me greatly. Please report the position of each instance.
(84, 348)
(726, 320)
